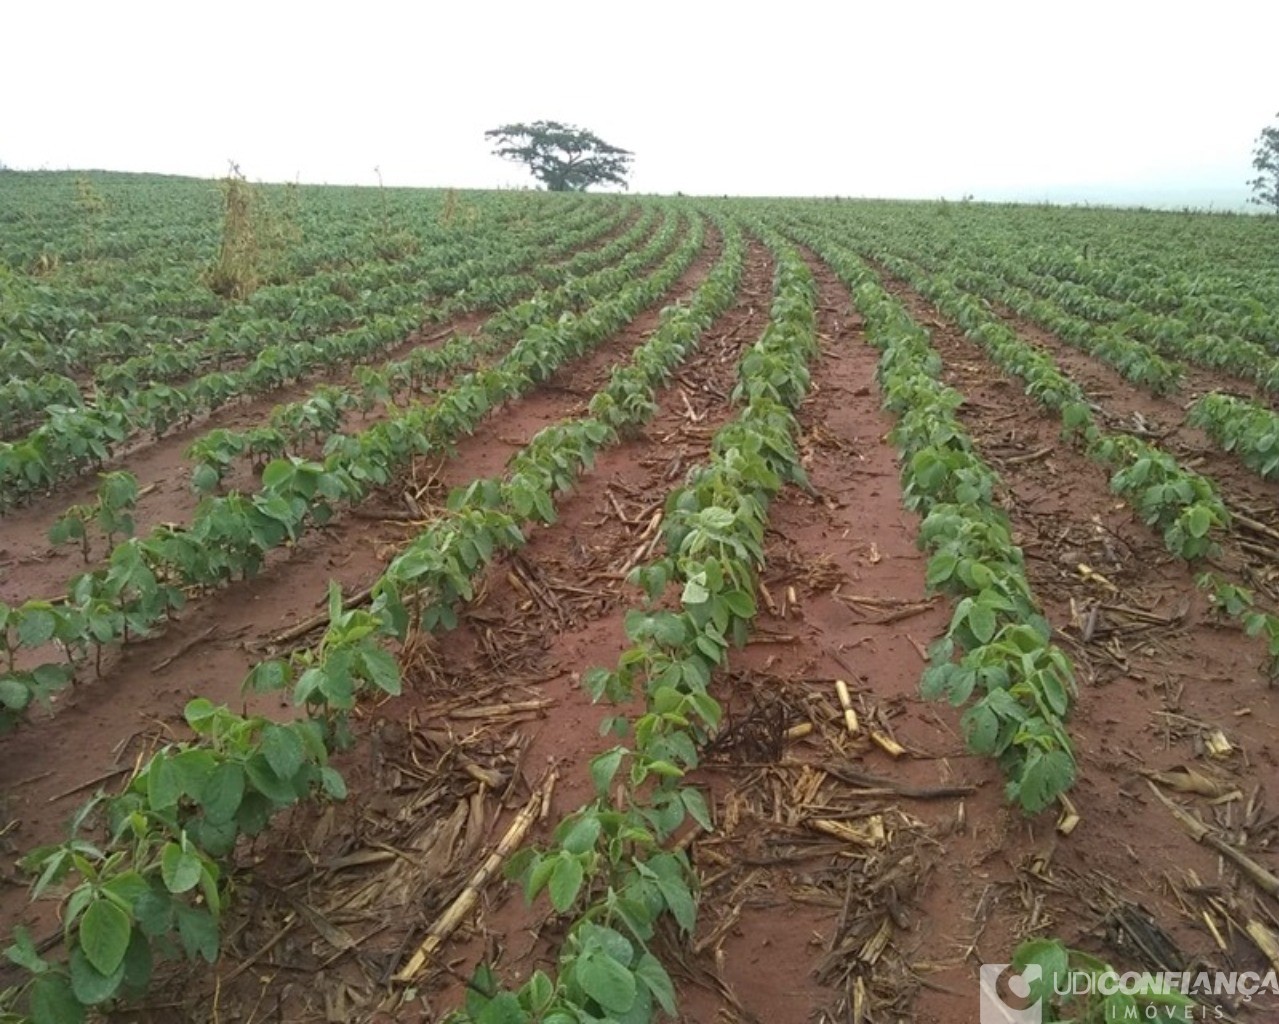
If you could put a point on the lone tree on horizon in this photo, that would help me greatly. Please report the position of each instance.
(563, 157)
(1265, 161)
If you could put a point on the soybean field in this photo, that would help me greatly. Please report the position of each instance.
(487, 607)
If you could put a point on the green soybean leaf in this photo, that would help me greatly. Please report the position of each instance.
(1048, 954)
(90, 985)
(154, 912)
(981, 728)
(539, 874)
(268, 783)
(740, 603)
(695, 593)
(608, 982)
(13, 694)
(981, 620)
(1054, 692)
(104, 935)
(1043, 778)
(650, 971)
(1198, 521)
(53, 1001)
(23, 952)
(180, 869)
(604, 768)
(222, 793)
(504, 1008)
(940, 568)
(283, 750)
(695, 804)
(679, 900)
(267, 677)
(200, 714)
(581, 837)
(199, 932)
(205, 478)
(566, 882)
(382, 669)
(541, 991)
(332, 782)
(36, 627)
(138, 964)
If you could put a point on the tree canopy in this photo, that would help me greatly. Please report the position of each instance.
(1265, 161)
(563, 157)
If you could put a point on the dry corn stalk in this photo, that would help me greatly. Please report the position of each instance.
(846, 702)
(448, 922)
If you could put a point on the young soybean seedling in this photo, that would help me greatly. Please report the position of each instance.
(71, 526)
(113, 512)
(117, 497)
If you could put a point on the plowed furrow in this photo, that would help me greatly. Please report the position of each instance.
(845, 583)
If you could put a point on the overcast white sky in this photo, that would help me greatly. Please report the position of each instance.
(1111, 101)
